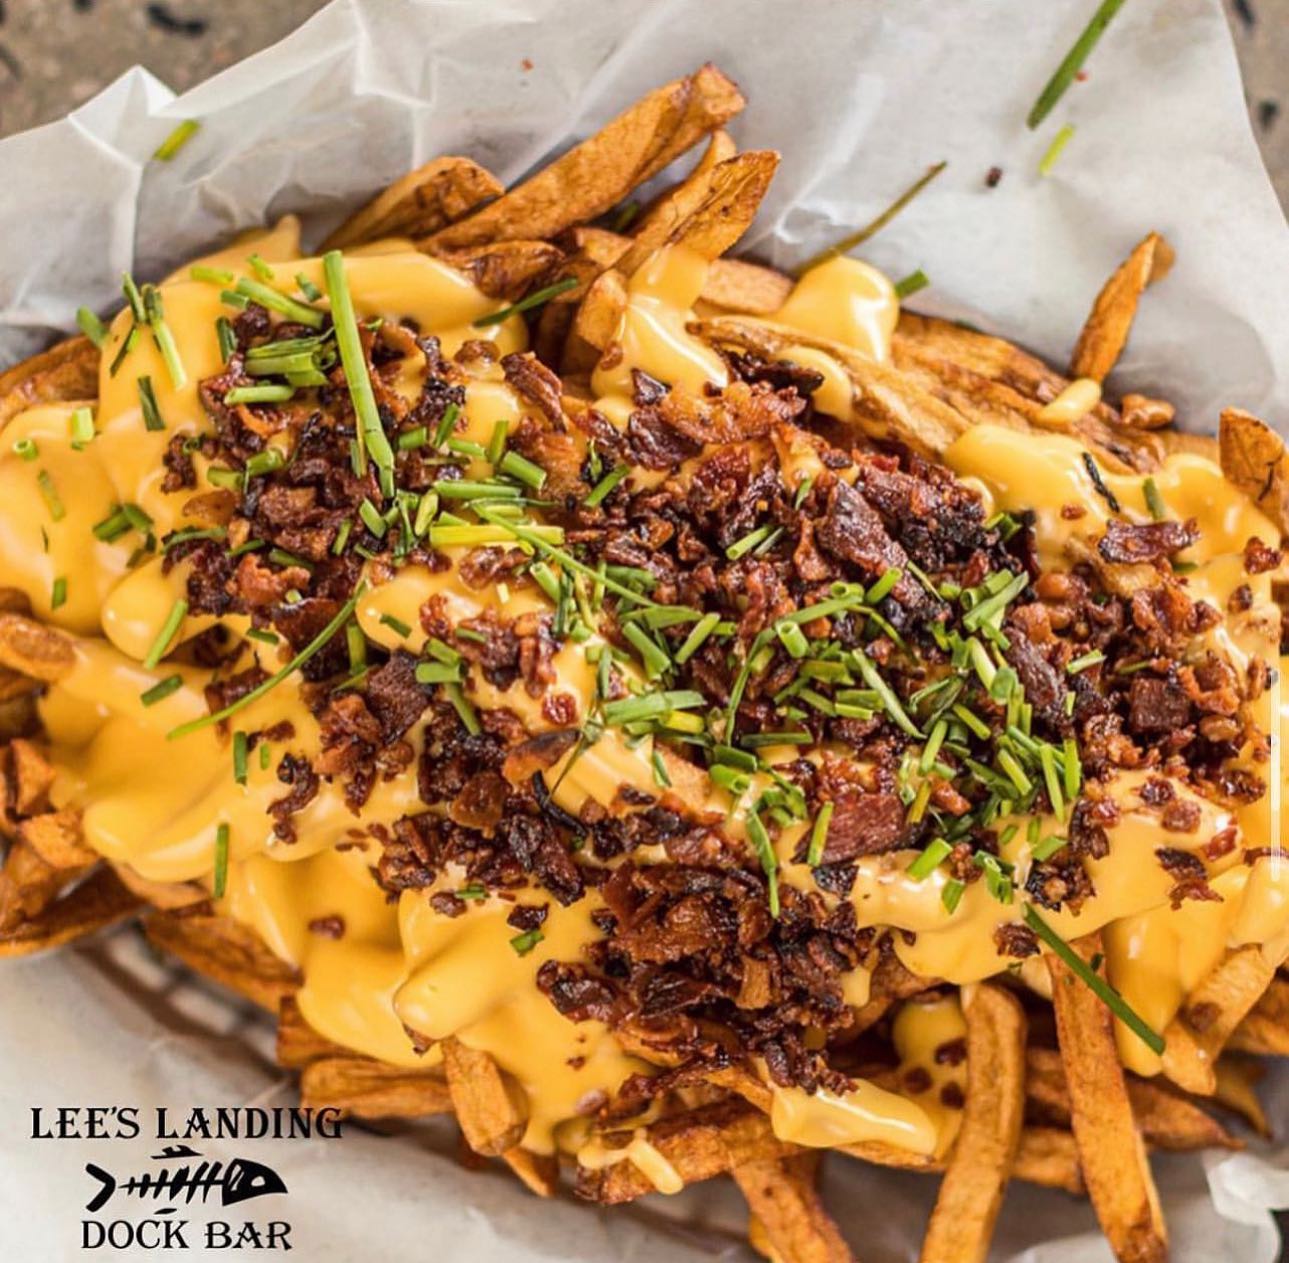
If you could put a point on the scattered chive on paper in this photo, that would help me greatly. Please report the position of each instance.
(177, 139)
(1072, 63)
(909, 285)
(1055, 149)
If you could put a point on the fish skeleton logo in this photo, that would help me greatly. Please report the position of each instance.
(238, 1181)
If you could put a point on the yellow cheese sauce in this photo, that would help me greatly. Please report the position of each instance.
(155, 804)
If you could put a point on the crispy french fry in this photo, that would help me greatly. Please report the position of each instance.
(28, 885)
(971, 1193)
(490, 1107)
(781, 1195)
(32, 775)
(57, 838)
(43, 653)
(747, 288)
(364, 1088)
(99, 901)
(1111, 1153)
(162, 894)
(1048, 1156)
(1196, 1036)
(594, 176)
(420, 203)
(1253, 458)
(538, 1171)
(1265, 1028)
(1106, 330)
(225, 951)
(297, 1042)
(506, 269)
(1236, 1091)
(66, 371)
(596, 322)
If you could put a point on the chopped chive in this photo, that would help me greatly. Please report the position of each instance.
(231, 298)
(169, 629)
(497, 443)
(446, 424)
(1082, 663)
(212, 276)
(437, 673)
(177, 139)
(265, 462)
(1071, 767)
(769, 860)
(525, 942)
(931, 751)
(696, 638)
(227, 338)
(281, 557)
(159, 692)
(1154, 501)
(372, 519)
(910, 284)
(951, 895)
(851, 240)
(599, 493)
(655, 661)
(793, 639)
(993, 605)
(660, 775)
(275, 300)
(220, 880)
(933, 855)
(342, 537)
(819, 836)
(884, 586)
(239, 757)
(312, 648)
(409, 440)
(472, 489)
(649, 706)
(162, 336)
(1014, 772)
(171, 541)
(58, 595)
(465, 711)
(49, 493)
(396, 625)
(740, 547)
(264, 756)
(221, 476)
(26, 448)
(443, 652)
(1104, 991)
(1052, 781)
(81, 426)
(91, 326)
(307, 287)
(260, 268)
(270, 392)
(886, 695)
(1048, 847)
(1065, 73)
(264, 637)
(127, 345)
(1055, 149)
(1094, 472)
(527, 304)
(148, 402)
(134, 299)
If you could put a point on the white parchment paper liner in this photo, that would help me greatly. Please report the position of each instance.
(860, 97)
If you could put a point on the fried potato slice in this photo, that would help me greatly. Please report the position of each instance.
(1048, 1157)
(697, 1146)
(594, 176)
(43, 653)
(419, 203)
(1253, 458)
(66, 371)
(782, 1197)
(971, 1193)
(361, 1087)
(225, 951)
(1106, 329)
(539, 1172)
(505, 269)
(595, 322)
(28, 885)
(1265, 1028)
(489, 1106)
(99, 901)
(1111, 1153)
(752, 289)
(1236, 1091)
(30, 774)
(1196, 1036)
(56, 836)
(163, 894)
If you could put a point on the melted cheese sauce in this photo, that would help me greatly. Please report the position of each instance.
(404, 965)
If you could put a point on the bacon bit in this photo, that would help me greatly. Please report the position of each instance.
(332, 927)
(1072, 512)
(1259, 557)
(1223, 843)
(560, 709)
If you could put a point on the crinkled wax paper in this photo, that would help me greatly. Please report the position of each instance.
(860, 97)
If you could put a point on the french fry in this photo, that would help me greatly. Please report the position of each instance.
(781, 1195)
(168, 895)
(1253, 458)
(57, 838)
(745, 288)
(1265, 1028)
(971, 1193)
(490, 1108)
(595, 322)
(28, 885)
(43, 653)
(1236, 1091)
(1196, 1036)
(225, 951)
(420, 203)
(361, 1087)
(99, 901)
(539, 1172)
(66, 371)
(1048, 1157)
(1111, 1153)
(1106, 330)
(31, 775)
(594, 176)
(505, 269)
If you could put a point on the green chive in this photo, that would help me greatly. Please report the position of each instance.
(1154, 501)
(228, 479)
(446, 424)
(1071, 64)
(220, 881)
(951, 895)
(148, 402)
(58, 596)
(231, 298)
(265, 462)
(395, 625)
(527, 304)
(986, 610)
(465, 711)
(497, 443)
(883, 586)
(268, 393)
(177, 139)
(660, 776)
(741, 547)
(655, 661)
(91, 326)
(1087, 660)
(134, 299)
(169, 629)
(162, 336)
(696, 638)
(1055, 149)
(1048, 847)
(932, 856)
(886, 695)
(599, 493)
(371, 518)
(227, 338)
(793, 639)
(525, 942)
(307, 287)
(931, 751)
(81, 425)
(471, 489)
(49, 493)
(159, 692)
(1104, 991)
(819, 836)
(239, 757)
(409, 440)
(437, 673)
(275, 300)
(769, 860)
(127, 345)
(260, 268)
(26, 448)
(212, 276)
(910, 284)
(1014, 772)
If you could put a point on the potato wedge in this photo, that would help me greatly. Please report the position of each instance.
(1236, 1091)
(489, 1106)
(1253, 458)
(37, 651)
(506, 269)
(361, 1087)
(1265, 1028)
(1048, 1157)
(99, 901)
(66, 371)
(594, 176)
(782, 1197)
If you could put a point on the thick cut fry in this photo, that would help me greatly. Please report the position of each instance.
(1106, 331)
(1111, 1153)
(57, 838)
(538, 1171)
(363, 1088)
(67, 371)
(99, 901)
(697, 1146)
(297, 1042)
(1253, 458)
(594, 176)
(491, 1109)
(162, 894)
(43, 653)
(28, 885)
(1048, 1156)
(971, 1193)
(508, 269)
(226, 952)
(748, 288)
(782, 1196)
(1265, 1028)
(1196, 1036)
(596, 322)
(32, 775)
(1236, 1091)
(420, 203)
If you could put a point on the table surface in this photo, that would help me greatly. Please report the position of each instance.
(54, 54)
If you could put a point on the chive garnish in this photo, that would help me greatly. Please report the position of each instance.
(756, 831)
(133, 298)
(885, 694)
(162, 336)
(884, 586)
(1083, 662)
(264, 756)
(169, 629)
(1071, 64)
(268, 461)
(177, 139)
(271, 392)
(307, 287)
(239, 757)
(952, 894)
(437, 673)
(523, 470)
(1045, 849)
(628, 710)
(741, 547)
(911, 283)
(231, 298)
(220, 881)
(1094, 472)
(91, 326)
(49, 493)
(525, 942)
(986, 610)
(260, 268)
(312, 648)
(81, 426)
(160, 691)
(26, 448)
(696, 638)
(446, 424)
(263, 636)
(465, 711)
(656, 662)
(227, 338)
(371, 518)
(275, 300)
(819, 833)
(127, 345)
(1154, 501)
(497, 442)
(148, 403)
(396, 625)
(58, 595)
(211, 276)
(527, 304)
(849, 242)
(601, 490)
(1055, 149)
(409, 440)
(1104, 991)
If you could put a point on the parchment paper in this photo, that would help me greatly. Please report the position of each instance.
(860, 97)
